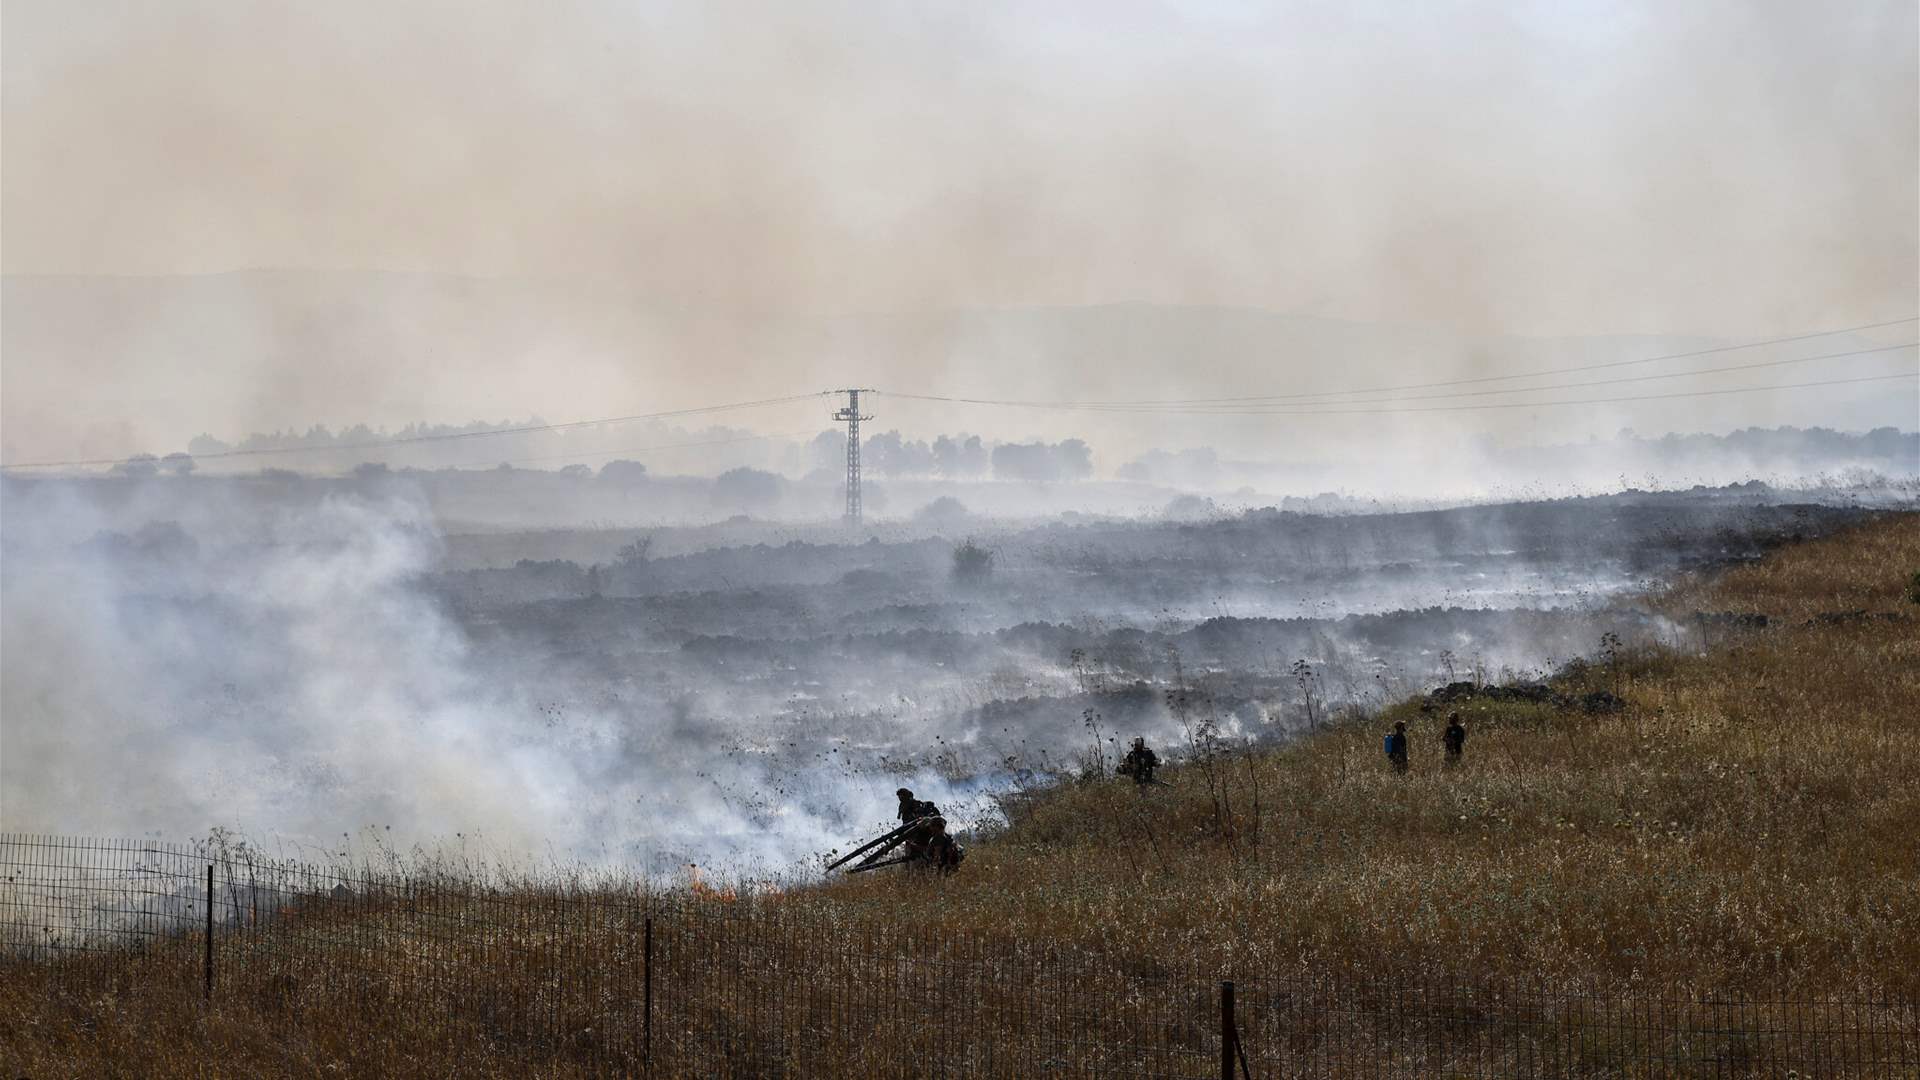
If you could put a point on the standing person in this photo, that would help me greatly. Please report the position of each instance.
(912, 808)
(1454, 739)
(927, 824)
(1139, 763)
(1397, 746)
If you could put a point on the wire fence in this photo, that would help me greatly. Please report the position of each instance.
(598, 977)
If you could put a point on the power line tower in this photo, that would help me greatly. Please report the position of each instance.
(851, 414)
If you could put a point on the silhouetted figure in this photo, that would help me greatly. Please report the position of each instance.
(1454, 739)
(1397, 746)
(1139, 763)
(937, 849)
(927, 843)
(912, 809)
(921, 840)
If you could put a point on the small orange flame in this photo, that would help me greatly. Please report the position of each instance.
(700, 888)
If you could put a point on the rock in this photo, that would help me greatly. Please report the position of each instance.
(1602, 701)
(1850, 618)
(1534, 692)
(1735, 620)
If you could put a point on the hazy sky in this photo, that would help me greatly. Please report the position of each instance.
(756, 172)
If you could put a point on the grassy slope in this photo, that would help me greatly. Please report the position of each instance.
(1745, 825)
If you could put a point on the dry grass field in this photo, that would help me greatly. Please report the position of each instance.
(1745, 825)
(1741, 828)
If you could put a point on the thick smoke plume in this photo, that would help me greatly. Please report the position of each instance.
(287, 678)
(467, 209)
(303, 661)
(224, 218)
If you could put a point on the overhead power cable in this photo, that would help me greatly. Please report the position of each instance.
(1301, 404)
(1295, 408)
(634, 449)
(1542, 404)
(1435, 384)
(376, 444)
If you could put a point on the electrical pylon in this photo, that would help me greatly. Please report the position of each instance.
(851, 414)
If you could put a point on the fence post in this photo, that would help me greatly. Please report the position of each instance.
(646, 1016)
(1227, 1032)
(209, 979)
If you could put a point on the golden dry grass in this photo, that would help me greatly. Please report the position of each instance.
(1743, 828)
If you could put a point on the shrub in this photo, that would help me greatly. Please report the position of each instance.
(972, 563)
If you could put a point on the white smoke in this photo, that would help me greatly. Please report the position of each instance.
(289, 680)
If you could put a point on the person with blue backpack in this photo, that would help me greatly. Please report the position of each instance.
(1397, 746)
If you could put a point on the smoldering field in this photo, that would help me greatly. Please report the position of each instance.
(322, 673)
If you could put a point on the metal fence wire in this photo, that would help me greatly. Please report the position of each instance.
(599, 977)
